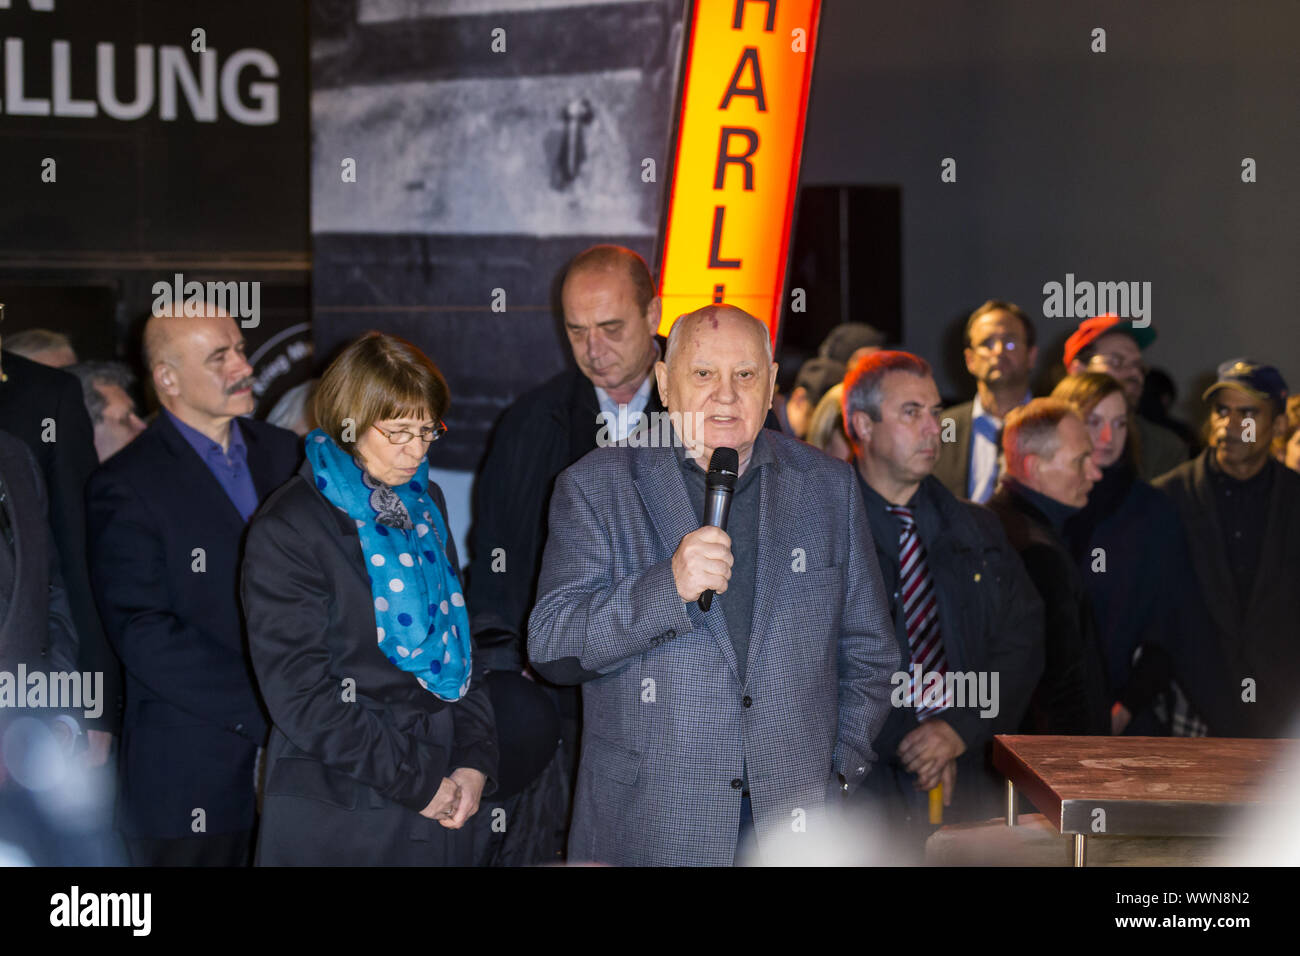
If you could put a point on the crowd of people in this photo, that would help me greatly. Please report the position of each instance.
(297, 668)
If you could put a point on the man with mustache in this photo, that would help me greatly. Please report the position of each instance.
(166, 518)
(959, 597)
(1240, 508)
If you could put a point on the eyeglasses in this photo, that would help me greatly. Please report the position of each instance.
(428, 434)
(986, 347)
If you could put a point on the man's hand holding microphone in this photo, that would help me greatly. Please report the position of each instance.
(702, 562)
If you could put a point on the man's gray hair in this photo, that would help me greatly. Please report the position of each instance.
(675, 333)
(865, 380)
(92, 374)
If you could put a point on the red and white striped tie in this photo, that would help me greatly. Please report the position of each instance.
(921, 611)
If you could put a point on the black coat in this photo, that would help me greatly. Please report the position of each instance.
(33, 397)
(991, 620)
(1071, 695)
(36, 626)
(1142, 596)
(193, 720)
(347, 772)
(1260, 637)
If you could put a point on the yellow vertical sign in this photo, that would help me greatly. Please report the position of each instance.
(736, 167)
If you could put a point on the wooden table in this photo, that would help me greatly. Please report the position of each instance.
(1139, 786)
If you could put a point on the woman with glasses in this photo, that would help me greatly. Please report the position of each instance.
(382, 743)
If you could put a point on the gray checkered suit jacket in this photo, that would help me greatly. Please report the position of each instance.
(667, 724)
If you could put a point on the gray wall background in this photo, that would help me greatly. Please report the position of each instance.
(1124, 165)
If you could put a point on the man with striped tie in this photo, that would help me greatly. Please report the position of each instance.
(967, 619)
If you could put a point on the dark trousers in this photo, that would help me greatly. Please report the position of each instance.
(746, 841)
(217, 849)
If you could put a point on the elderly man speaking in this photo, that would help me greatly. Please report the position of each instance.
(706, 732)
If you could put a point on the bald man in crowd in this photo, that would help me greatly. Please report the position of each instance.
(166, 519)
(711, 733)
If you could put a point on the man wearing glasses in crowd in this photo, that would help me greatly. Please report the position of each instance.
(1114, 346)
(1000, 355)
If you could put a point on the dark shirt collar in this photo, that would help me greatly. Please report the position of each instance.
(204, 445)
(874, 499)
(1054, 511)
(1259, 483)
(760, 455)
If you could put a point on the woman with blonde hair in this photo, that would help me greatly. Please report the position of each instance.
(826, 426)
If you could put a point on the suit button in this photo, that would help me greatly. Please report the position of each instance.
(670, 634)
(239, 728)
(737, 784)
(747, 701)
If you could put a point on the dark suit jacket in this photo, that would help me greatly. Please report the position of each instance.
(349, 767)
(36, 626)
(953, 467)
(1259, 637)
(1071, 695)
(991, 620)
(193, 720)
(33, 394)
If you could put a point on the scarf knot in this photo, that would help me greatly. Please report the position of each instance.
(421, 622)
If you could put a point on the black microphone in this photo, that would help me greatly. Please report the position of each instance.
(718, 487)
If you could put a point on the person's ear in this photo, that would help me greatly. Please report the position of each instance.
(1033, 355)
(1033, 469)
(861, 428)
(164, 379)
(771, 384)
(969, 354)
(654, 315)
(661, 379)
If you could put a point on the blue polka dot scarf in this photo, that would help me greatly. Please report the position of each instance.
(422, 625)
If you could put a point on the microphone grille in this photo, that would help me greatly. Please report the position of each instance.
(723, 467)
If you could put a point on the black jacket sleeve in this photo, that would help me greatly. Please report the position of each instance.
(175, 661)
(508, 515)
(1063, 702)
(73, 459)
(286, 597)
(61, 644)
(1015, 647)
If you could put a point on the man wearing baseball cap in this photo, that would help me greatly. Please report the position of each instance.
(1113, 345)
(1240, 508)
